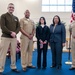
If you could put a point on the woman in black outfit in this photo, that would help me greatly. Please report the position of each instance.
(42, 35)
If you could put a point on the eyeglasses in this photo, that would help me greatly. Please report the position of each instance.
(11, 7)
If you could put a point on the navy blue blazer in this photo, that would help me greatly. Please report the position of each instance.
(59, 34)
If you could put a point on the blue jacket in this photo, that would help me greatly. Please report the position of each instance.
(59, 34)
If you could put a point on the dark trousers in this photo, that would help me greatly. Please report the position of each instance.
(56, 49)
(39, 55)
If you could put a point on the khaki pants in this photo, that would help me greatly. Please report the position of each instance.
(26, 52)
(73, 52)
(5, 42)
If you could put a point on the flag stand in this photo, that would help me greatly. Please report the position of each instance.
(69, 62)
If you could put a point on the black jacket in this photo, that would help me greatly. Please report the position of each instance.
(42, 33)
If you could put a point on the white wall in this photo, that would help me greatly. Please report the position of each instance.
(35, 8)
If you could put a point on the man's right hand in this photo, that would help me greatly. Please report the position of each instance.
(13, 34)
(30, 36)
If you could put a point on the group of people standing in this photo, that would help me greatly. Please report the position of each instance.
(10, 26)
(55, 36)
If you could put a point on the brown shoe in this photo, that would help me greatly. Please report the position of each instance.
(15, 70)
(24, 69)
(31, 67)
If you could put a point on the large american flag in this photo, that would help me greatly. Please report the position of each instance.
(73, 5)
(73, 10)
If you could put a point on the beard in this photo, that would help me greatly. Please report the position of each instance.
(27, 16)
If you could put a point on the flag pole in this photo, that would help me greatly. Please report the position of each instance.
(73, 10)
(69, 62)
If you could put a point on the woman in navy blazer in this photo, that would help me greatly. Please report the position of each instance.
(57, 41)
(42, 35)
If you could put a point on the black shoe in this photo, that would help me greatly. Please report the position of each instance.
(58, 67)
(39, 67)
(72, 68)
(0, 73)
(31, 67)
(44, 68)
(52, 66)
(15, 70)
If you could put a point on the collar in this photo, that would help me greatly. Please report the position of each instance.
(9, 14)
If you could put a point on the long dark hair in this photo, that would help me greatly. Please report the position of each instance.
(58, 19)
(43, 19)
